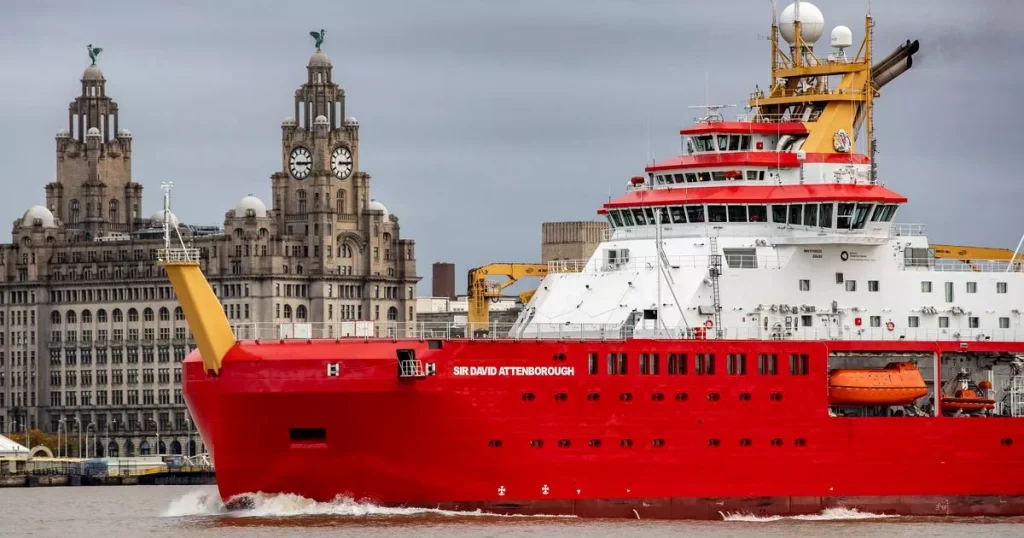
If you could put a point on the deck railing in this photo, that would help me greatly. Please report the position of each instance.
(639, 263)
(610, 332)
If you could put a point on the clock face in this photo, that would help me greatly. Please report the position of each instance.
(301, 163)
(341, 162)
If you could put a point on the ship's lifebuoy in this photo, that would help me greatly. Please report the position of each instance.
(890, 325)
(709, 324)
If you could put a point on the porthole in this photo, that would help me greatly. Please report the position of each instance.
(681, 396)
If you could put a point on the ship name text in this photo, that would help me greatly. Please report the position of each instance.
(515, 370)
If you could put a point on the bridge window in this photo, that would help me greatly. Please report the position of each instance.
(758, 213)
(737, 213)
(678, 214)
(704, 143)
(845, 216)
(825, 215)
(695, 213)
(779, 214)
(810, 214)
(639, 217)
(691, 177)
(616, 218)
(795, 214)
(716, 213)
(627, 217)
(704, 176)
(861, 217)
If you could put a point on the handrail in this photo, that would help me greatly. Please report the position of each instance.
(695, 261)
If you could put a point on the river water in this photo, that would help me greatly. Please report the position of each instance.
(179, 511)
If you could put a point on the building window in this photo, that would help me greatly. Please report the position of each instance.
(872, 285)
(805, 285)
(913, 321)
(926, 286)
(973, 322)
(851, 285)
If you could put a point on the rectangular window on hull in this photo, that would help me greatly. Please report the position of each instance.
(649, 364)
(768, 364)
(798, 364)
(736, 364)
(308, 435)
(592, 363)
(677, 364)
(704, 364)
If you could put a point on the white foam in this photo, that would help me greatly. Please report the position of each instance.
(829, 514)
(208, 503)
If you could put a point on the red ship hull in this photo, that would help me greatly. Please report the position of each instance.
(648, 445)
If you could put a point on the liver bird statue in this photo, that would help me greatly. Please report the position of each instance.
(319, 37)
(93, 52)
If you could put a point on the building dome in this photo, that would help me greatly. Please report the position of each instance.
(92, 132)
(38, 215)
(158, 219)
(812, 23)
(63, 133)
(288, 122)
(251, 204)
(124, 133)
(92, 74)
(320, 120)
(351, 121)
(319, 59)
(374, 205)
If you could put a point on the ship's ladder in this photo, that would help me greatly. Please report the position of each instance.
(714, 271)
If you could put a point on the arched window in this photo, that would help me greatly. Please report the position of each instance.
(129, 449)
(144, 449)
(301, 197)
(392, 314)
(133, 315)
(179, 314)
(113, 213)
(112, 450)
(341, 200)
(300, 312)
(55, 318)
(75, 208)
(165, 314)
(101, 316)
(147, 314)
(118, 317)
(175, 447)
(70, 317)
(86, 316)
(288, 311)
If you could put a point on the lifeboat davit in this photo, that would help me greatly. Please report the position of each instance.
(968, 401)
(898, 383)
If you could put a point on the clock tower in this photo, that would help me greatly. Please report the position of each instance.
(94, 192)
(329, 226)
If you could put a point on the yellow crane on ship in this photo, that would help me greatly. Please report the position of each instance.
(970, 255)
(482, 290)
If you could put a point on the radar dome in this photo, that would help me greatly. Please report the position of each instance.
(251, 206)
(842, 37)
(812, 23)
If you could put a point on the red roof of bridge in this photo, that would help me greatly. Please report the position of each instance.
(752, 194)
(773, 159)
(746, 127)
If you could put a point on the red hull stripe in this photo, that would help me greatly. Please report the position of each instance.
(747, 194)
(746, 127)
(772, 159)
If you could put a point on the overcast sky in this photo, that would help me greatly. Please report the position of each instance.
(481, 119)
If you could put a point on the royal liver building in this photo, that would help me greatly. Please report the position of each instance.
(91, 336)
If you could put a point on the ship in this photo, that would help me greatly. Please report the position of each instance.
(755, 334)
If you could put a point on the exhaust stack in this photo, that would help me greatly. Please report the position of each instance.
(894, 64)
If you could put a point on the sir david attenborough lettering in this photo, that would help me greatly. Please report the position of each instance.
(515, 370)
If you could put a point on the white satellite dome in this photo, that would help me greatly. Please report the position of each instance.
(374, 205)
(250, 206)
(158, 219)
(38, 215)
(842, 37)
(92, 132)
(63, 133)
(812, 23)
(124, 133)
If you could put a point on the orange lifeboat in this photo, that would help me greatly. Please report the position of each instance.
(898, 383)
(968, 401)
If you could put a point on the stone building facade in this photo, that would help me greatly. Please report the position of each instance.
(91, 335)
(575, 240)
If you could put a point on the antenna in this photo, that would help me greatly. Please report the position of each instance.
(714, 111)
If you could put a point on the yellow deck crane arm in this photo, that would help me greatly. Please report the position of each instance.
(481, 290)
(972, 255)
